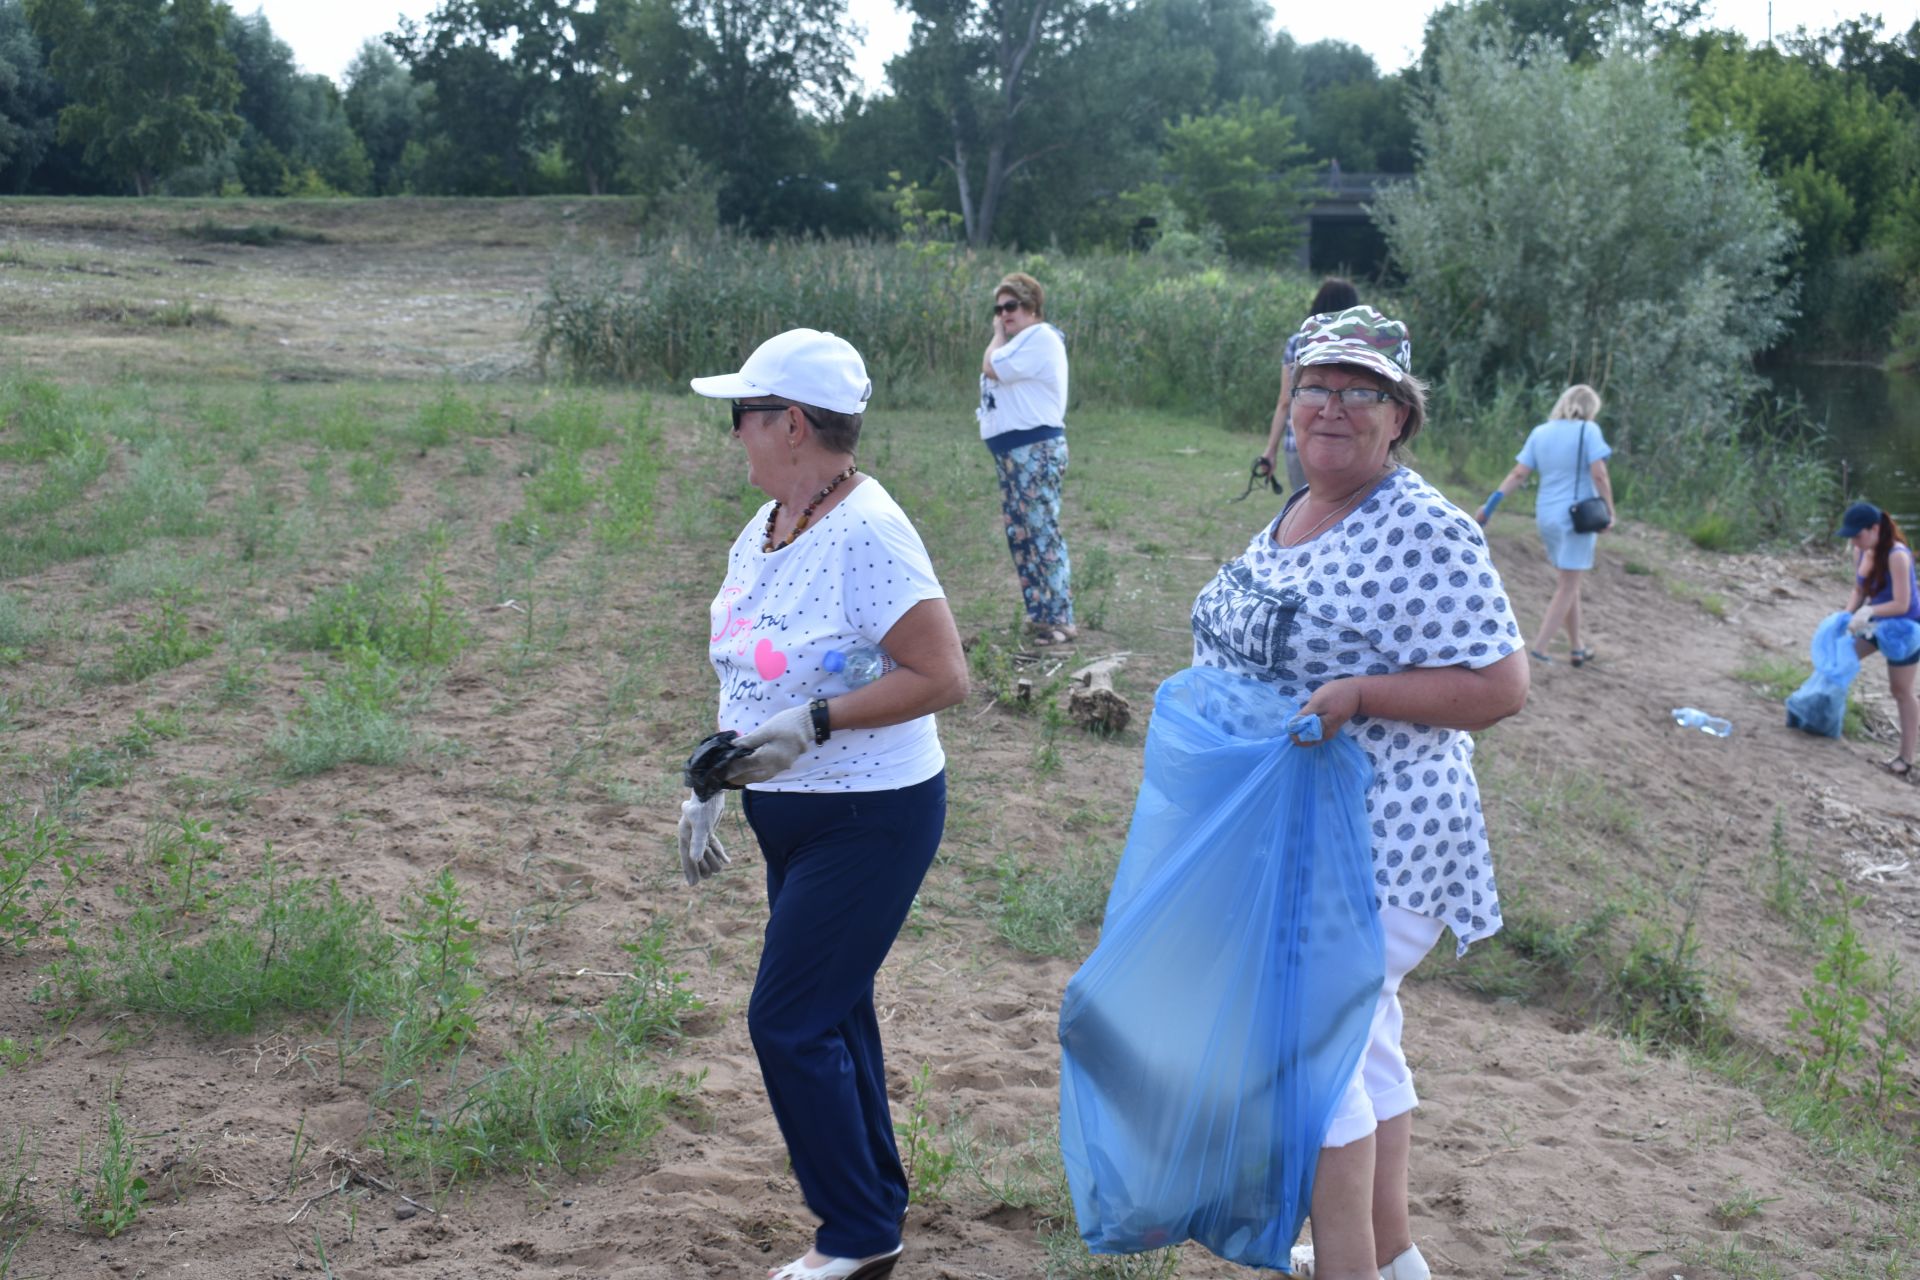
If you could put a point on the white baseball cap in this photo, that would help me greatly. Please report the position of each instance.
(802, 365)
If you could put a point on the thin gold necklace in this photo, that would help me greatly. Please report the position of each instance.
(1340, 509)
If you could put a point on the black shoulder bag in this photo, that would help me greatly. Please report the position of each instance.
(1590, 515)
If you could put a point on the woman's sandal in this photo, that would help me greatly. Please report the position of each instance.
(874, 1268)
(1899, 767)
(1581, 657)
(1047, 637)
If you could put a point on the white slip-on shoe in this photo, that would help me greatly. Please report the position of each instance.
(874, 1268)
(1408, 1266)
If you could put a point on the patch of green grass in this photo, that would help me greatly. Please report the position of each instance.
(373, 481)
(547, 1106)
(449, 415)
(165, 640)
(1712, 531)
(273, 946)
(1045, 910)
(352, 714)
(626, 511)
(560, 487)
(20, 630)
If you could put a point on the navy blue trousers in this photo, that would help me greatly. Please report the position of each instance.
(842, 870)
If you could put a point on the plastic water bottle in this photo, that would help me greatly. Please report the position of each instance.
(862, 664)
(1695, 718)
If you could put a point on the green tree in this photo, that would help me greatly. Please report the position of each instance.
(734, 89)
(28, 99)
(1241, 171)
(991, 72)
(151, 86)
(295, 134)
(383, 106)
(1563, 227)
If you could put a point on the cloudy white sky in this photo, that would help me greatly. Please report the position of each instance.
(325, 36)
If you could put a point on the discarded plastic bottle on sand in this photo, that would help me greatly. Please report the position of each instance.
(862, 664)
(1695, 718)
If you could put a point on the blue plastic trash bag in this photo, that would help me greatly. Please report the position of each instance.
(1208, 1039)
(1820, 705)
(1897, 638)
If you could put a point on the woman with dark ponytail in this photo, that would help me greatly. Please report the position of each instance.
(1884, 589)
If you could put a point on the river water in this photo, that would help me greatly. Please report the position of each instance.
(1872, 421)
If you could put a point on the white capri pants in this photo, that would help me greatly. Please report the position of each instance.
(1382, 1086)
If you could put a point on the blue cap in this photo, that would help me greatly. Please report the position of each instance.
(1861, 515)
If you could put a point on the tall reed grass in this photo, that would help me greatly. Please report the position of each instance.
(1142, 334)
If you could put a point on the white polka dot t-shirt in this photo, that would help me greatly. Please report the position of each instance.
(841, 584)
(1404, 581)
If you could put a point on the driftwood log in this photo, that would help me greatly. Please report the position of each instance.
(1092, 702)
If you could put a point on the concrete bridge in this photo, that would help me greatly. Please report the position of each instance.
(1340, 236)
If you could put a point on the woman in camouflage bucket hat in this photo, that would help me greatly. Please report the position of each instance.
(1373, 600)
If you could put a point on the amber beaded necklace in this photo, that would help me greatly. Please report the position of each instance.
(767, 544)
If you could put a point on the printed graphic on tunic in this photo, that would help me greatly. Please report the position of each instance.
(1237, 615)
(748, 658)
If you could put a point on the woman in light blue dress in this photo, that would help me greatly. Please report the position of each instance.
(1555, 450)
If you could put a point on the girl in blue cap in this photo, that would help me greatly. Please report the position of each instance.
(1883, 589)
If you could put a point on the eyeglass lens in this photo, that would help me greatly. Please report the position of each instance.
(1006, 308)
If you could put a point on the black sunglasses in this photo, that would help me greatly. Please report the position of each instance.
(742, 410)
(1008, 307)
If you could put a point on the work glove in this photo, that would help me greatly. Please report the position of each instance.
(1863, 620)
(771, 749)
(701, 853)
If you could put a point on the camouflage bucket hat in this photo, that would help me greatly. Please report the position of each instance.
(1358, 336)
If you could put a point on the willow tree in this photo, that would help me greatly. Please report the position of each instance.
(1564, 227)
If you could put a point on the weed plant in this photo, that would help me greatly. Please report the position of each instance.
(351, 713)
(112, 1202)
(164, 640)
(20, 630)
(927, 1166)
(272, 945)
(547, 1106)
(40, 871)
(647, 1008)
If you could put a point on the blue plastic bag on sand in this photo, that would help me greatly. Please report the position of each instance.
(1820, 705)
(1207, 1040)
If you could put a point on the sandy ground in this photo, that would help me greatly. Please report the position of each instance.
(1547, 1145)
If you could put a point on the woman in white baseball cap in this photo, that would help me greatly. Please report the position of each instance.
(844, 777)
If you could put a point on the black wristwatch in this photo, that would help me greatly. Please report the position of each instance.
(822, 726)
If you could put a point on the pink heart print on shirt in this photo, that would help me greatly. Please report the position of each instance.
(769, 661)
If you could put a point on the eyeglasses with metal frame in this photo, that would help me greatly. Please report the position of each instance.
(1353, 399)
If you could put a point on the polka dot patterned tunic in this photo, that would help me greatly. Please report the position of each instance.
(780, 615)
(1404, 581)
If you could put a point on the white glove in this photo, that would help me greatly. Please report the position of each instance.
(772, 748)
(1863, 620)
(701, 853)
